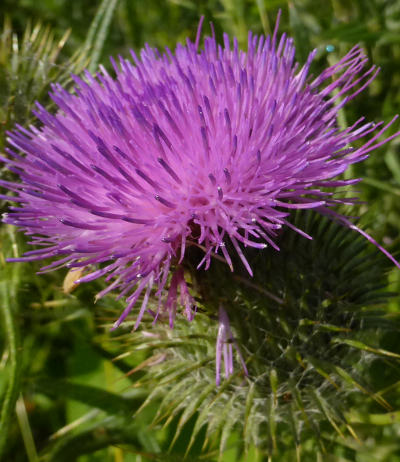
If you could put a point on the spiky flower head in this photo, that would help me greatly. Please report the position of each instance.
(207, 147)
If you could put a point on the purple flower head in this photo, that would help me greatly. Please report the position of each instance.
(193, 147)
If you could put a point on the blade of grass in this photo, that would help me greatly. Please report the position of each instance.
(11, 393)
(263, 16)
(26, 431)
(102, 33)
(381, 185)
(95, 24)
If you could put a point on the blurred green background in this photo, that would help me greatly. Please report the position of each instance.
(73, 402)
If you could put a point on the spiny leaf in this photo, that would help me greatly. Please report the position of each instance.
(327, 410)
(354, 383)
(225, 425)
(173, 401)
(250, 410)
(192, 407)
(364, 347)
(27, 67)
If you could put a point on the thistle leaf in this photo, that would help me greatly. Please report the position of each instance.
(27, 67)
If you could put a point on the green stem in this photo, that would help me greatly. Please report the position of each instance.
(11, 393)
(26, 431)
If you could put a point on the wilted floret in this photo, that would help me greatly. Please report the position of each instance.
(197, 147)
(224, 347)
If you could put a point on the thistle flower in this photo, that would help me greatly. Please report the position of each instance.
(200, 147)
